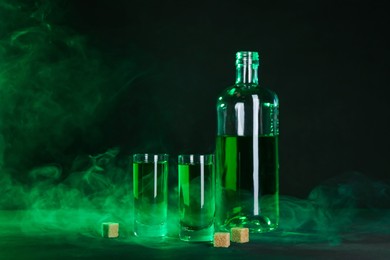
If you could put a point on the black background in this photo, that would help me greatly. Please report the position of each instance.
(327, 60)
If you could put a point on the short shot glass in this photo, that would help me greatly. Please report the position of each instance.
(196, 197)
(150, 190)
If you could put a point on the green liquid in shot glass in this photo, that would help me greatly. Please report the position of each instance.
(150, 198)
(196, 199)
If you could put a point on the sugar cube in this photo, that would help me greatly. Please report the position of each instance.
(221, 239)
(240, 235)
(110, 229)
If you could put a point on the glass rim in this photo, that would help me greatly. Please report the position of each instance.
(195, 158)
(144, 157)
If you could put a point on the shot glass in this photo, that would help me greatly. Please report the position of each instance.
(196, 197)
(150, 189)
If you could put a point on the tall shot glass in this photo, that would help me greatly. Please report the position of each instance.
(150, 189)
(196, 197)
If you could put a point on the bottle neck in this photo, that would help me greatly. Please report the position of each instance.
(247, 73)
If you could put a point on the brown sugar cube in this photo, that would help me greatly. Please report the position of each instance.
(110, 229)
(221, 239)
(240, 235)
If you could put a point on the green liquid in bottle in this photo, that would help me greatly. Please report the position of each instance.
(248, 177)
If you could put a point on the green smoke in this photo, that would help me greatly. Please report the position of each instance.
(54, 89)
(346, 207)
(49, 91)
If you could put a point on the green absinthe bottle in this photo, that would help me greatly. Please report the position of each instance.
(247, 164)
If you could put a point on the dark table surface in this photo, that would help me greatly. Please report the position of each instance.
(19, 241)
